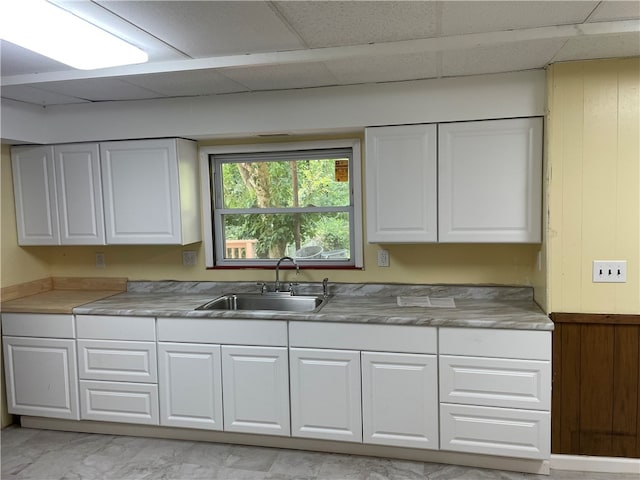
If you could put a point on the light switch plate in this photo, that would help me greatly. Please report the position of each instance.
(609, 271)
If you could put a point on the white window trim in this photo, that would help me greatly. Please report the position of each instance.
(206, 186)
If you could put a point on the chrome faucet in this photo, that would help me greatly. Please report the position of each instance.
(277, 284)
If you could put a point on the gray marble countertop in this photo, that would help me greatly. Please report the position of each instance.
(479, 307)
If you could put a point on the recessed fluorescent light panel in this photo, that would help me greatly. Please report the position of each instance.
(51, 31)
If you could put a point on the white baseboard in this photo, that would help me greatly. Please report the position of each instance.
(585, 463)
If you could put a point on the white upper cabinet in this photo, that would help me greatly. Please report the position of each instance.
(79, 194)
(35, 195)
(490, 181)
(151, 191)
(477, 182)
(401, 184)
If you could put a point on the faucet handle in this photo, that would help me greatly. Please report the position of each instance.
(292, 287)
(263, 287)
(325, 287)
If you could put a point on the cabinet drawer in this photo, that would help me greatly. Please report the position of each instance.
(107, 327)
(351, 336)
(117, 361)
(38, 325)
(496, 382)
(495, 431)
(119, 402)
(268, 333)
(489, 342)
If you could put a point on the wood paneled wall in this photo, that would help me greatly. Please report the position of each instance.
(593, 156)
(596, 376)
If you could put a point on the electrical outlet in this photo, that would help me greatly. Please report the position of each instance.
(609, 271)
(99, 260)
(383, 258)
(188, 257)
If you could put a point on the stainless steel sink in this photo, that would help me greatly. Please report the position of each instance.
(282, 302)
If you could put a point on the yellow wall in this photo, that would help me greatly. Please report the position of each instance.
(594, 187)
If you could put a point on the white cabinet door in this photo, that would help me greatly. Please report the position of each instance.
(190, 385)
(79, 194)
(495, 431)
(151, 192)
(490, 181)
(35, 195)
(400, 399)
(325, 394)
(401, 184)
(256, 389)
(41, 377)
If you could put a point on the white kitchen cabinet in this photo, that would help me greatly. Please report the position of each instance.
(401, 184)
(190, 385)
(490, 181)
(79, 194)
(151, 191)
(118, 378)
(325, 394)
(472, 182)
(400, 399)
(495, 392)
(124, 402)
(58, 195)
(256, 389)
(41, 373)
(35, 195)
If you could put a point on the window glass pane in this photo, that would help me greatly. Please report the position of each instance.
(286, 183)
(305, 236)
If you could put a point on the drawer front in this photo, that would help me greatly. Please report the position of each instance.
(268, 333)
(489, 342)
(496, 382)
(119, 402)
(117, 361)
(38, 325)
(107, 327)
(495, 431)
(351, 336)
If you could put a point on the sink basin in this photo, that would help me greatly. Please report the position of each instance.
(281, 302)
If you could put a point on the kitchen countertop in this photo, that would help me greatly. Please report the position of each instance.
(65, 294)
(479, 307)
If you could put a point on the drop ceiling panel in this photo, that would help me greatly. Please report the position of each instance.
(15, 60)
(190, 83)
(503, 58)
(25, 93)
(624, 45)
(324, 24)
(206, 29)
(478, 17)
(610, 11)
(280, 77)
(99, 89)
(388, 68)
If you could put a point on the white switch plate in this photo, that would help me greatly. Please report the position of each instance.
(609, 271)
(99, 260)
(188, 257)
(383, 258)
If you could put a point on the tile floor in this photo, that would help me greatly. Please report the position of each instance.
(47, 455)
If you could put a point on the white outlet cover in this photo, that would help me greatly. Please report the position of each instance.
(609, 271)
(188, 257)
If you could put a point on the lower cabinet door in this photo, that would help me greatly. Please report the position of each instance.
(41, 377)
(256, 390)
(400, 399)
(495, 431)
(190, 385)
(119, 402)
(325, 394)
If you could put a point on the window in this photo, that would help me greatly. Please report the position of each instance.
(301, 200)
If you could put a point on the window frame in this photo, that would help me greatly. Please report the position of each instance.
(209, 196)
